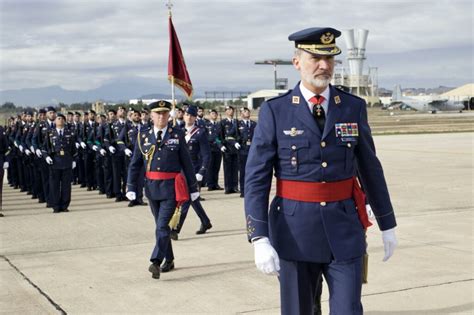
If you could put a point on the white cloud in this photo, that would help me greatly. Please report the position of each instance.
(79, 44)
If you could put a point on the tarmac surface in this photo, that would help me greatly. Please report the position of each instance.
(94, 259)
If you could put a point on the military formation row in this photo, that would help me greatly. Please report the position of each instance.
(44, 156)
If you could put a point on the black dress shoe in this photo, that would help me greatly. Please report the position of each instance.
(120, 198)
(219, 188)
(41, 201)
(201, 198)
(89, 188)
(204, 228)
(132, 203)
(101, 192)
(211, 189)
(83, 185)
(110, 196)
(228, 192)
(56, 211)
(155, 270)
(242, 195)
(1, 215)
(65, 210)
(174, 235)
(167, 266)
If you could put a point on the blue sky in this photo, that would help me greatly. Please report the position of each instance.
(80, 44)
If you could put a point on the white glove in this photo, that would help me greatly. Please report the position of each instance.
(102, 152)
(95, 148)
(223, 149)
(73, 164)
(199, 177)
(237, 146)
(20, 147)
(112, 150)
(38, 153)
(27, 152)
(194, 196)
(77, 145)
(128, 152)
(83, 145)
(32, 149)
(266, 258)
(389, 243)
(16, 144)
(49, 160)
(5, 165)
(131, 195)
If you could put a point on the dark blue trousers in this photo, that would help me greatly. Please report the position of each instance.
(162, 211)
(60, 181)
(299, 283)
(231, 171)
(212, 178)
(242, 163)
(197, 208)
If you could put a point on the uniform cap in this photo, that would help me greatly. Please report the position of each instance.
(192, 110)
(160, 106)
(317, 40)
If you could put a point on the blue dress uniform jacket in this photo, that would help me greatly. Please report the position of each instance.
(245, 135)
(171, 156)
(200, 151)
(61, 149)
(288, 141)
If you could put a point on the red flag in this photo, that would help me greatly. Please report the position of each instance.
(176, 66)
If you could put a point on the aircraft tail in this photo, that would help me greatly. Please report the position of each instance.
(397, 93)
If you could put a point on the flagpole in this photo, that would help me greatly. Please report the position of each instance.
(173, 100)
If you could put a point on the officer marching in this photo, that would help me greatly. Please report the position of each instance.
(317, 141)
(199, 149)
(170, 179)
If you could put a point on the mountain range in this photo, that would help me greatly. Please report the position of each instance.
(119, 90)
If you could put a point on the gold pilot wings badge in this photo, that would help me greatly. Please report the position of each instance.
(293, 132)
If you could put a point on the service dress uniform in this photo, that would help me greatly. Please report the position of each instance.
(246, 130)
(166, 159)
(199, 150)
(229, 137)
(313, 221)
(213, 136)
(62, 150)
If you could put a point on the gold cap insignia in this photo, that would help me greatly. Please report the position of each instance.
(337, 99)
(295, 100)
(327, 38)
(161, 104)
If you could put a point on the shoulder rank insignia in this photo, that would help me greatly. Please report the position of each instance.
(293, 132)
(295, 100)
(337, 99)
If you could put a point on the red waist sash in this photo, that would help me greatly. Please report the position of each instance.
(325, 192)
(180, 186)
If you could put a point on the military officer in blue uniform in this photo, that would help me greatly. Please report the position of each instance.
(39, 144)
(59, 154)
(213, 135)
(87, 143)
(119, 166)
(201, 121)
(4, 164)
(315, 139)
(199, 149)
(170, 179)
(230, 150)
(246, 130)
(126, 143)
